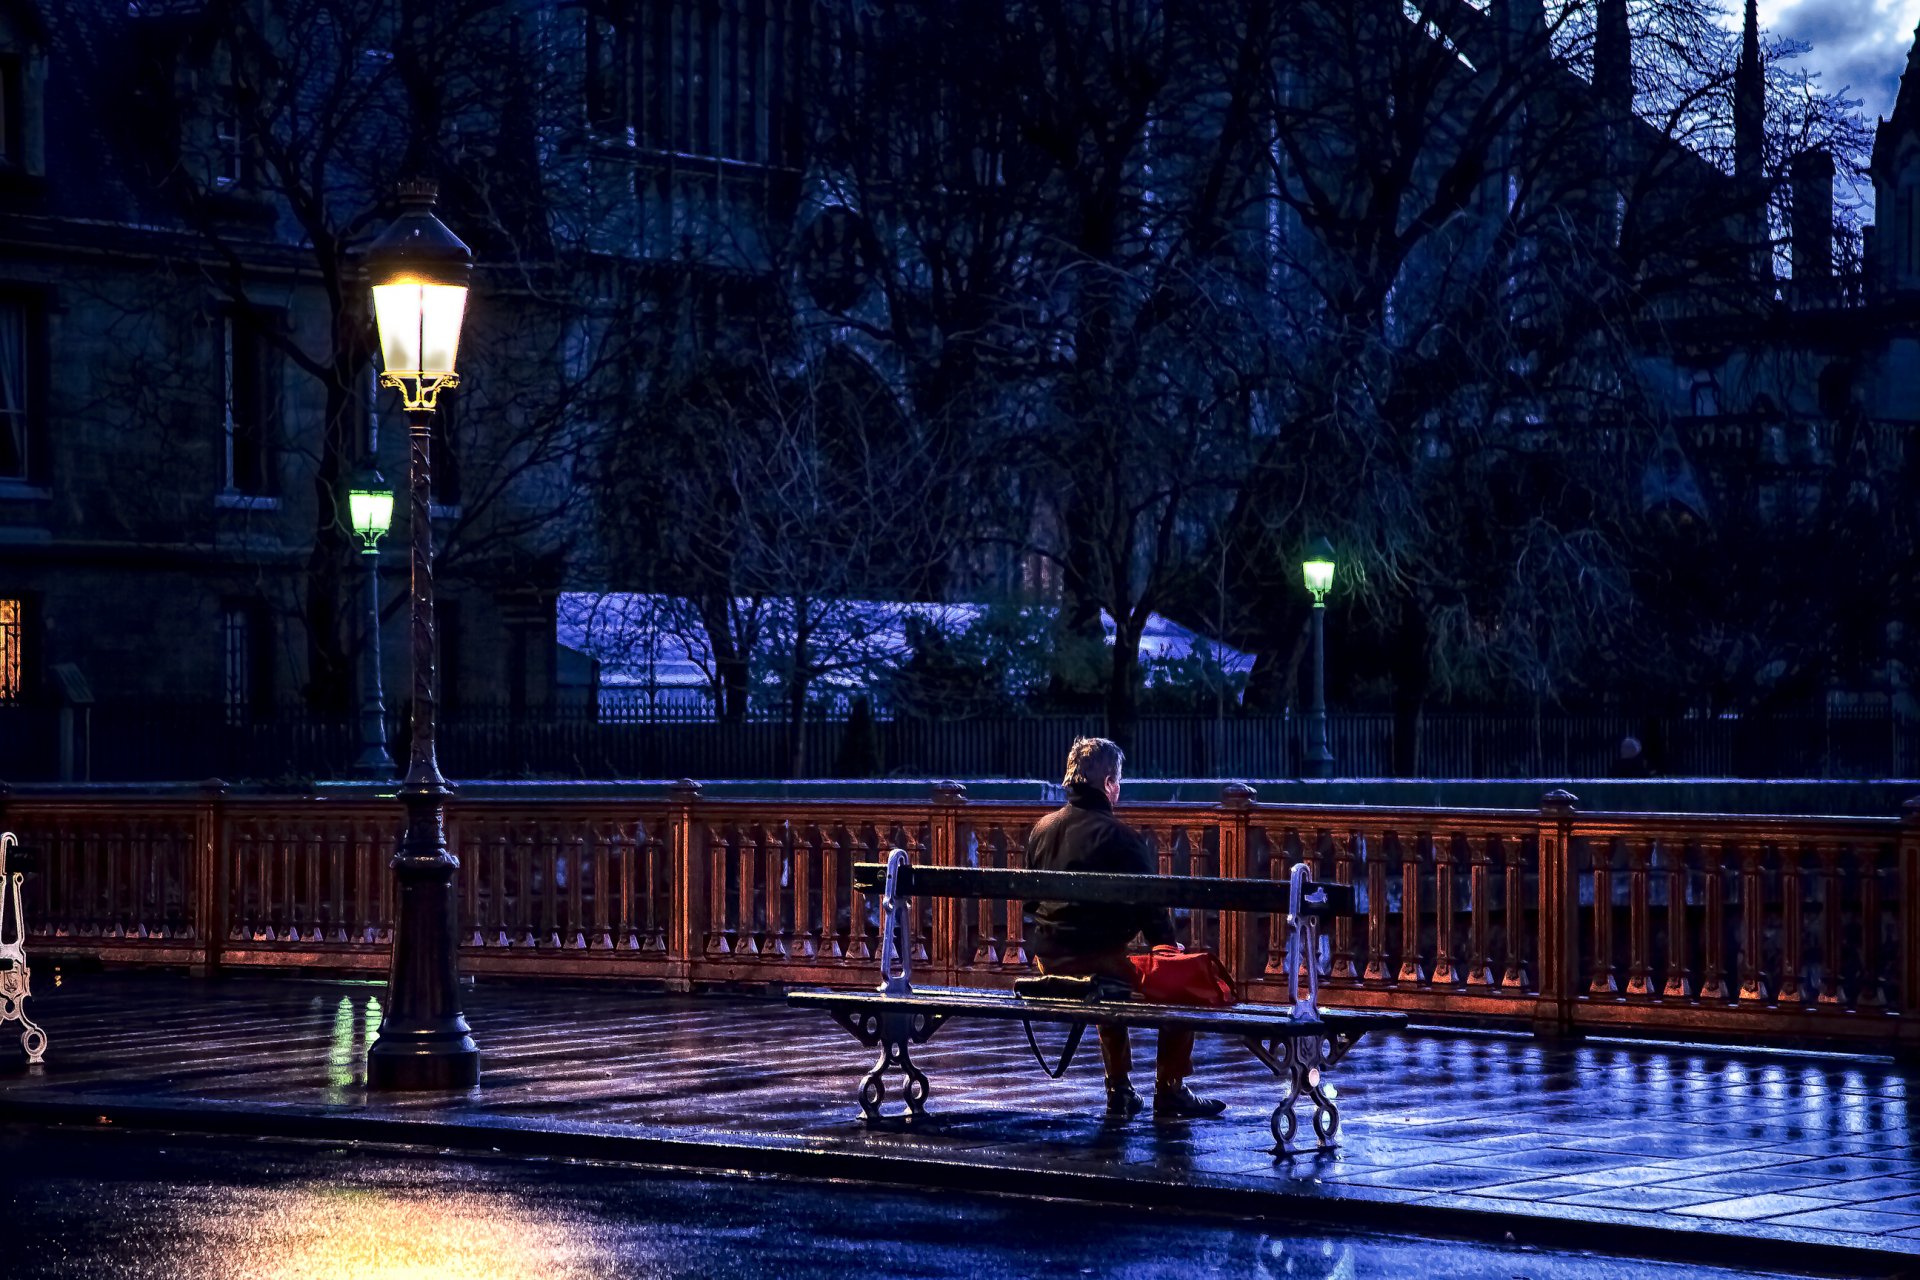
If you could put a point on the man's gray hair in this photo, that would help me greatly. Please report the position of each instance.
(1093, 761)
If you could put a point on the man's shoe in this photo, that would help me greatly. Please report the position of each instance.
(1122, 1101)
(1182, 1103)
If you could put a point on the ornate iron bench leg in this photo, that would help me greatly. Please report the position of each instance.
(892, 1034)
(1303, 1062)
(14, 991)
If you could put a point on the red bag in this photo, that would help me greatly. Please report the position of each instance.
(1170, 976)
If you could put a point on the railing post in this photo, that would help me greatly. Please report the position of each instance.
(1907, 1037)
(1234, 825)
(944, 838)
(212, 869)
(1559, 918)
(687, 881)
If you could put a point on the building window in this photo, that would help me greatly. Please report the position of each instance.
(713, 78)
(609, 75)
(12, 113)
(230, 151)
(249, 410)
(246, 661)
(13, 669)
(19, 324)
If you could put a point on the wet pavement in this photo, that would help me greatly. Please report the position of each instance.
(121, 1206)
(1659, 1151)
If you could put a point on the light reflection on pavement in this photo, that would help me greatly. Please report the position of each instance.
(127, 1206)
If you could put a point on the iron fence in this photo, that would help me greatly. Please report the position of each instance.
(116, 742)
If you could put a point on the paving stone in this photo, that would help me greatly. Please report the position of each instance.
(1636, 1197)
(1862, 1221)
(1749, 1208)
(1748, 1183)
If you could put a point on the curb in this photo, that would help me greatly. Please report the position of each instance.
(1724, 1245)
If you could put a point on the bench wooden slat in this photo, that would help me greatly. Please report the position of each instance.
(1192, 892)
(1268, 1022)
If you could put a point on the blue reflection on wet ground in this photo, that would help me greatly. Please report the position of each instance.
(121, 1206)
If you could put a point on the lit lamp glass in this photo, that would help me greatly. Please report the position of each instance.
(1317, 568)
(419, 270)
(370, 506)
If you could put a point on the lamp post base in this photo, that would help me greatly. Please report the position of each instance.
(433, 1059)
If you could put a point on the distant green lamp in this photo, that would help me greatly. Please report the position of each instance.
(1317, 568)
(370, 507)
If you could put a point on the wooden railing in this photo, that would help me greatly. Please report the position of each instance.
(1551, 918)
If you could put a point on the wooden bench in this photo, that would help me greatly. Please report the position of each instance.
(1299, 1043)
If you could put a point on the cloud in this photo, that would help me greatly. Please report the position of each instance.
(1859, 46)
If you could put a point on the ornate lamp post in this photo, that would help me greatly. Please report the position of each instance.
(370, 506)
(419, 270)
(1316, 567)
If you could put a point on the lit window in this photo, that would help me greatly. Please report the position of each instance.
(12, 671)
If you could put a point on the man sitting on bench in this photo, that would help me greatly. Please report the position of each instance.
(1090, 940)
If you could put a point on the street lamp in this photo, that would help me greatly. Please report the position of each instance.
(418, 271)
(1316, 567)
(370, 507)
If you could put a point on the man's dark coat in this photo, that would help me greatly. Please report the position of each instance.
(1085, 836)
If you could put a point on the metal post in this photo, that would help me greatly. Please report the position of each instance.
(424, 1040)
(374, 760)
(1319, 763)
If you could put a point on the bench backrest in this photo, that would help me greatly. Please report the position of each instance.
(1204, 893)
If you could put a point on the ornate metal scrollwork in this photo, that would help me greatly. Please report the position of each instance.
(16, 979)
(1303, 1062)
(892, 1034)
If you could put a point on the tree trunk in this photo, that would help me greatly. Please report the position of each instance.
(1122, 704)
(1412, 678)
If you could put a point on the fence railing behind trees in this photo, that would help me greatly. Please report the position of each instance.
(160, 742)
(1761, 927)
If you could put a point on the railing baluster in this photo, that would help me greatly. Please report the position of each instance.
(1679, 983)
(1479, 910)
(1410, 969)
(1343, 967)
(747, 859)
(833, 850)
(1753, 923)
(779, 879)
(497, 895)
(806, 853)
(1873, 988)
(603, 835)
(632, 899)
(1277, 870)
(1376, 970)
(1513, 977)
(1829, 881)
(720, 937)
(1444, 973)
(1792, 989)
(338, 859)
(316, 846)
(1013, 946)
(1639, 918)
(1600, 863)
(575, 843)
(858, 947)
(1713, 972)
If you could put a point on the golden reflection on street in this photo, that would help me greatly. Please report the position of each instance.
(362, 1233)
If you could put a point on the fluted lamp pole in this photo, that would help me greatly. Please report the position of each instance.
(418, 271)
(370, 508)
(1316, 568)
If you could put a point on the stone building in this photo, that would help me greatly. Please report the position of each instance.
(184, 382)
